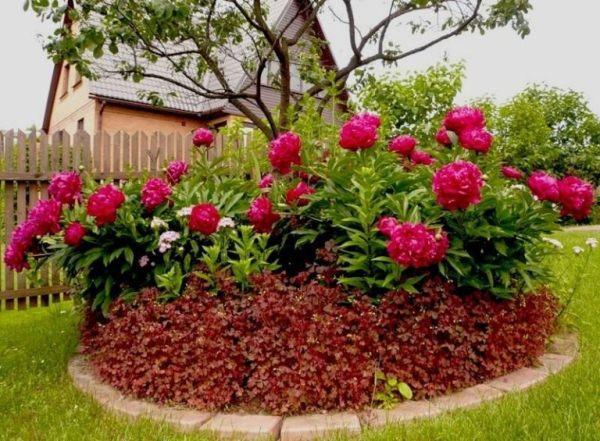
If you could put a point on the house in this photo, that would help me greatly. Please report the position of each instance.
(113, 104)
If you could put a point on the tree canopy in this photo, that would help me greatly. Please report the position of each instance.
(197, 38)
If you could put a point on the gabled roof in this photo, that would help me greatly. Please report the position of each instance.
(112, 87)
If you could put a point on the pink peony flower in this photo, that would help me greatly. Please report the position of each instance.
(463, 118)
(403, 145)
(154, 193)
(576, 197)
(360, 132)
(443, 138)
(479, 140)
(387, 226)
(74, 234)
(416, 246)
(266, 181)
(419, 157)
(175, 171)
(203, 138)
(66, 187)
(45, 216)
(512, 173)
(458, 185)
(104, 203)
(204, 219)
(544, 186)
(261, 215)
(22, 238)
(285, 152)
(296, 194)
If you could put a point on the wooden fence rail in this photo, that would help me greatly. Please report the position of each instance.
(27, 163)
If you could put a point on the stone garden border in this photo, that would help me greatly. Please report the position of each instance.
(561, 352)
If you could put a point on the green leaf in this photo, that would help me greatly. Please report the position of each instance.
(405, 391)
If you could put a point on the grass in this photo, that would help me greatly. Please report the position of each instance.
(37, 400)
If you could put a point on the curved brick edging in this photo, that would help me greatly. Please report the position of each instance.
(561, 352)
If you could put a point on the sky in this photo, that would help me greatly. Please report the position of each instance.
(560, 51)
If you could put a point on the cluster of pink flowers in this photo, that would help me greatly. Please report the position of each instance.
(575, 195)
(420, 157)
(413, 245)
(104, 203)
(468, 123)
(154, 193)
(175, 171)
(44, 218)
(203, 138)
(405, 145)
(360, 132)
(66, 188)
(261, 215)
(285, 152)
(204, 219)
(295, 196)
(458, 185)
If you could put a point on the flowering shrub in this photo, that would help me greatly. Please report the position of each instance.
(392, 215)
(290, 348)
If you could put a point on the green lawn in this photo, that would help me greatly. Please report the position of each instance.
(38, 402)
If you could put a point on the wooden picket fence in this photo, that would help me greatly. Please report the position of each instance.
(27, 163)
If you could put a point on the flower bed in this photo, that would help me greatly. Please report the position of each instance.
(288, 348)
(358, 265)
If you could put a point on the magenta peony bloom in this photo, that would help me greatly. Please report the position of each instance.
(74, 234)
(261, 215)
(544, 186)
(203, 137)
(463, 118)
(66, 187)
(266, 181)
(45, 216)
(576, 197)
(154, 193)
(458, 185)
(479, 140)
(175, 171)
(387, 225)
(360, 132)
(104, 203)
(22, 239)
(416, 246)
(443, 138)
(403, 145)
(285, 152)
(204, 219)
(419, 157)
(296, 194)
(512, 173)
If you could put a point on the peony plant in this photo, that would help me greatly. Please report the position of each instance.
(391, 211)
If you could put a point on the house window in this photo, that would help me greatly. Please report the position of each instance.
(80, 124)
(65, 80)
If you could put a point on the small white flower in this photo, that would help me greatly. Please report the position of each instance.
(144, 260)
(592, 242)
(518, 187)
(166, 240)
(226, 222)
(554, 242)
(577, 250)
(185, 212)
(158, 224)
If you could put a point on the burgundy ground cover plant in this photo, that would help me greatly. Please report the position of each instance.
(349, 252)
